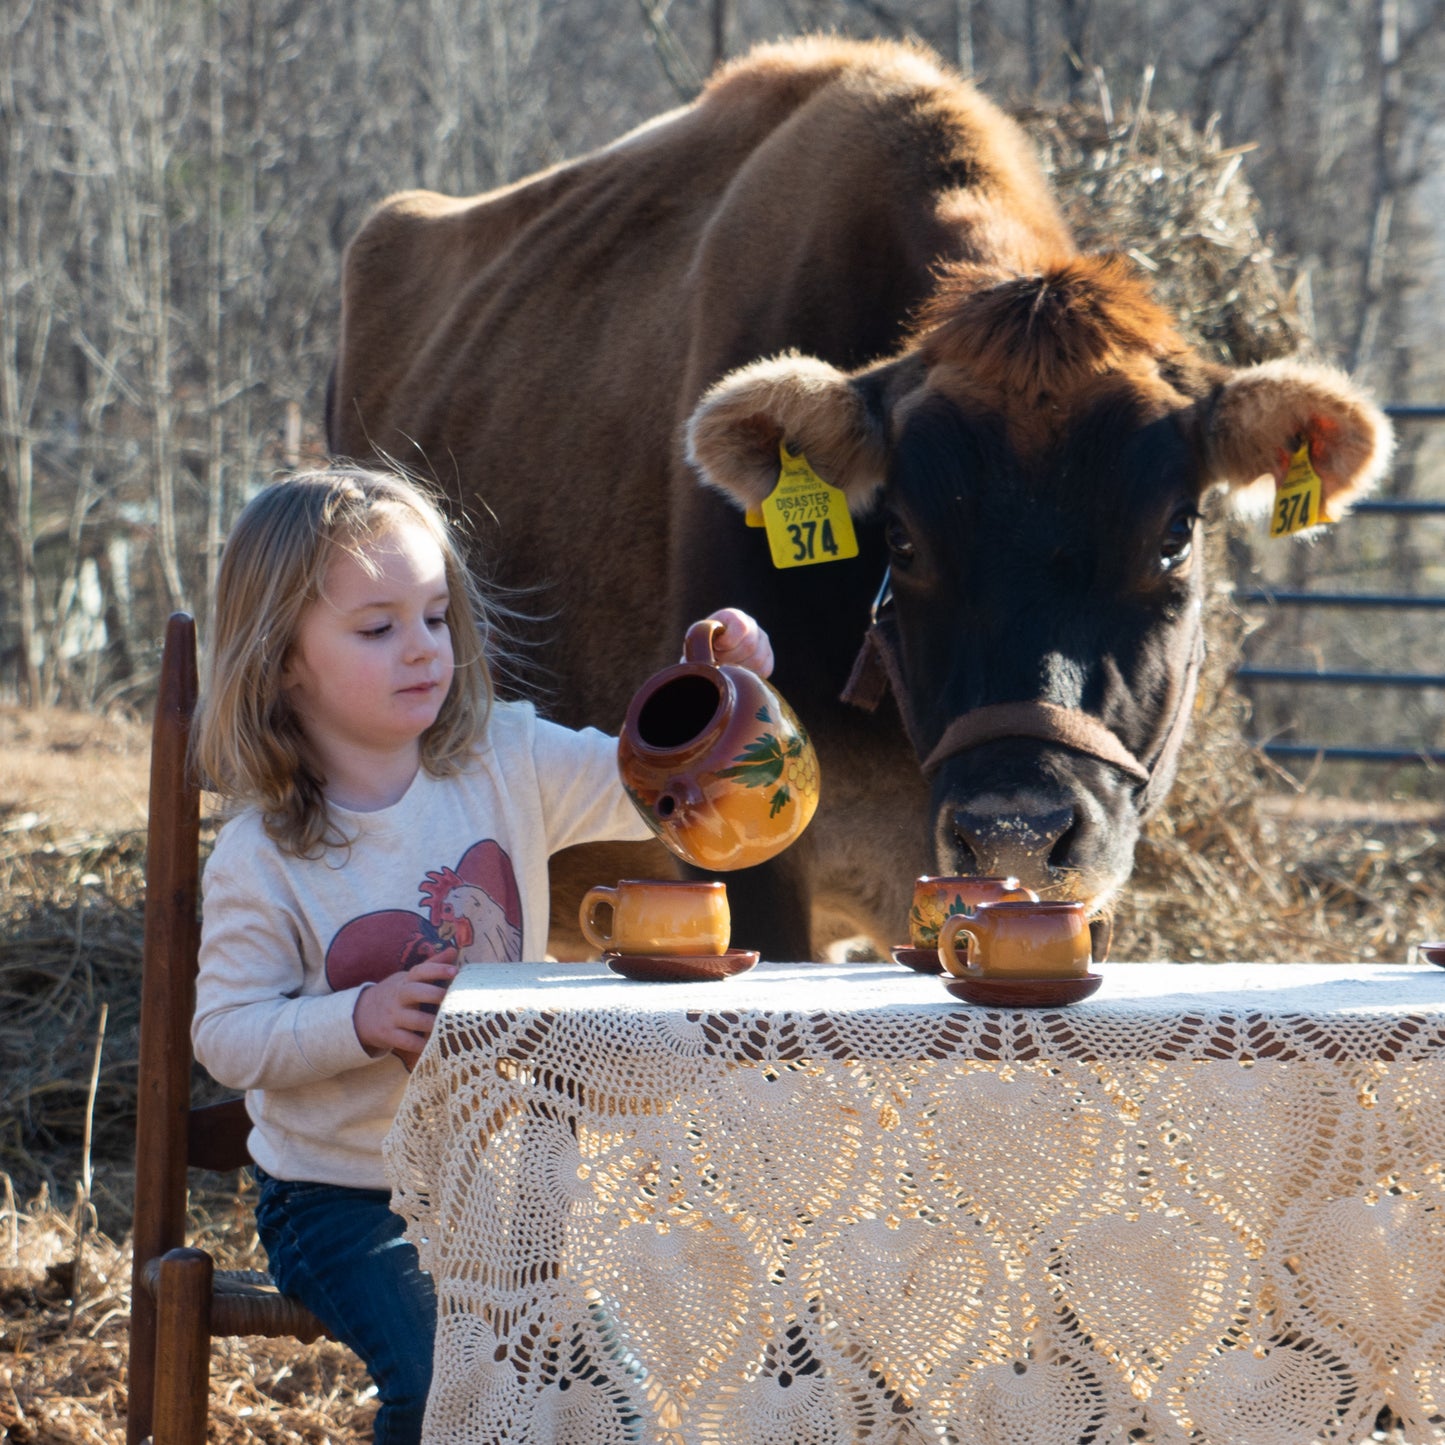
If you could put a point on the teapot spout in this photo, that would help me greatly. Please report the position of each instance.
(679, 800)
(691, 824)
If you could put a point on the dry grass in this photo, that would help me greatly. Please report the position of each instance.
(72, 772)
(1226, 875)
(64, 1312)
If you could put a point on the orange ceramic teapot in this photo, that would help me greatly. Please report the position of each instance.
(715, 760)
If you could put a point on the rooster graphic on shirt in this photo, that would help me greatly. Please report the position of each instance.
(475, 908)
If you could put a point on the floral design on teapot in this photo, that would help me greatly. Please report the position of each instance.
(783, 757)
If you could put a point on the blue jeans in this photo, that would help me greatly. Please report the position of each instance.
(341, 1252)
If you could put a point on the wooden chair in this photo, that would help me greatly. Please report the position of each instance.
(179, 1300)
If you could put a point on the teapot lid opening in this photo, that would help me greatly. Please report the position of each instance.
(680, 711)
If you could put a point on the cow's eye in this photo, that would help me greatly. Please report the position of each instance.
(900, 544)
(1178, 540)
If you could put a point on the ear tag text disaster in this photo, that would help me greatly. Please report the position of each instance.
(805, 517)
(1299, 498)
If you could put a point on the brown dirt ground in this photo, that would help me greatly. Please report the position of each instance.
(73, 772)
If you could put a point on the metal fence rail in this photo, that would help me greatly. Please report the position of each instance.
(1342, 679)
(1402, 506)
(1422, 600)
(1430, 756)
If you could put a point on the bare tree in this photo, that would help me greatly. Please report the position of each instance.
(672, 53)
(178, 182)
(29, 279)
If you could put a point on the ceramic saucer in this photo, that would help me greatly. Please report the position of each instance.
(920, 960)
(681, 968)
(1023, 992)
(1430, 953)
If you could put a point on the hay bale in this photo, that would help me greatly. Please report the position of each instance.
(1177, 202)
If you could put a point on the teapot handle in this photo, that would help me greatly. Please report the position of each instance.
(697, 644)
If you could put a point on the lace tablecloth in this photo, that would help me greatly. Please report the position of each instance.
(832, 1204)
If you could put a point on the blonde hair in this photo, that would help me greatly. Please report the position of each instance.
(248, 744)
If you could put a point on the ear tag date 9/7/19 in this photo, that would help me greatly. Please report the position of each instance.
(1299, 498)
(806, 518)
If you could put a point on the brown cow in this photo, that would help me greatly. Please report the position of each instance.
(844, 248)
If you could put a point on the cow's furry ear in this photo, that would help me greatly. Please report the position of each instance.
(734, 433)
(1264, 412)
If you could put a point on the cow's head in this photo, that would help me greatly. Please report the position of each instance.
(1037, 458)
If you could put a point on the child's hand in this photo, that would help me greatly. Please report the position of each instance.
(398, 1012)
(742, 643)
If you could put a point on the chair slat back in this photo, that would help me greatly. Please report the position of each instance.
(168, 978)
(172, 938)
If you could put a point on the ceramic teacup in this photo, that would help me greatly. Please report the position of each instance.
(658, 917)
(1017, 940)
(934, 899)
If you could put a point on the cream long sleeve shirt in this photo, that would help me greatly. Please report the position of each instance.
(287, 943)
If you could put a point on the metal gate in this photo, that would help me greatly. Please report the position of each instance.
(1253, 677)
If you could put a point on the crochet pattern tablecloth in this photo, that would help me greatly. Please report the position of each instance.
(833, 1204)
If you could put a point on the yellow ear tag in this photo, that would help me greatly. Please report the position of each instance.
(806, 518)
(754, 516)
(1299, 499)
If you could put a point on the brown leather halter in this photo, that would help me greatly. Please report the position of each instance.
(876, 669)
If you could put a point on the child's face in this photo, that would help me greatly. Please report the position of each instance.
(372, 660)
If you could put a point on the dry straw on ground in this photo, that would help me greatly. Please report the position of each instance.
(1222, 876)
(63, 1348)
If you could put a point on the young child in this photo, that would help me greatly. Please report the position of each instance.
(395, 822)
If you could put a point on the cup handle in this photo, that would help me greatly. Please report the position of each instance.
(953, 925)
(592, 900)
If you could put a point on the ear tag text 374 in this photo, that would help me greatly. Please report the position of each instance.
(1299, 498)
(806, 518)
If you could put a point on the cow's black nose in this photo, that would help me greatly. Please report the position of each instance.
(1023, 844)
